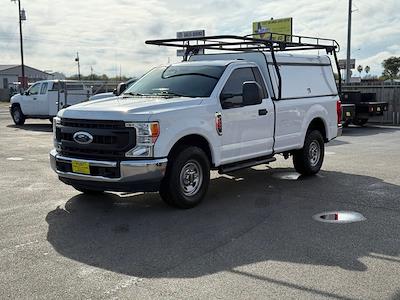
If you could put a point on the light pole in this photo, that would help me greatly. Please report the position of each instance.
(348, 71)
(79, 66)
(21, 17)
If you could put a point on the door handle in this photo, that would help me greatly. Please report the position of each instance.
(262, 112)
(34, 98)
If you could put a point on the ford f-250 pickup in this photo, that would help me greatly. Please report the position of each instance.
(217, 111)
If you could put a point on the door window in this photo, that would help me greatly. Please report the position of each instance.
(43, 90)
(34, 90)
(260, 81)
(232, 93)
(56, 86)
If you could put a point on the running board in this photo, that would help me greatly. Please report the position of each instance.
(244, 164)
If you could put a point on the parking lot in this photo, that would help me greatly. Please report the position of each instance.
(254, 236)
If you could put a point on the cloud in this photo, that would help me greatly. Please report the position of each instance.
(111, 34)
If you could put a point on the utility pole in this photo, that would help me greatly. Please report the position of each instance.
(21, 17)
(79, 66)
(348, 70)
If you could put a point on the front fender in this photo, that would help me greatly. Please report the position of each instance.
(192, 122)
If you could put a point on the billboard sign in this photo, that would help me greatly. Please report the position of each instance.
(342, 64)
(262, 29)
(189, 34)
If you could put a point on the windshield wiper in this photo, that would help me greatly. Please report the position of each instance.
(134, 94)
(168, 94)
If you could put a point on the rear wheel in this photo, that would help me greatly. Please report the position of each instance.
(309, 159)
(17, 115)
(187, 178)
(360, 122)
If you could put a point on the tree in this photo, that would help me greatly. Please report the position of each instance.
(391, 67)
(360, 69)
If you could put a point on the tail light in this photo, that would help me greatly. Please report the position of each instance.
(339, 112)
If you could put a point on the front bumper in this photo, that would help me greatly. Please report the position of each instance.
(134, 175)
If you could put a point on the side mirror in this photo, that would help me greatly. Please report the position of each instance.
(115, 92)
(120, 88)
(252, 93)
(26, 93)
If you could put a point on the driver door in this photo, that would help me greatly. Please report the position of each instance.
(247, 130)
(29, 100)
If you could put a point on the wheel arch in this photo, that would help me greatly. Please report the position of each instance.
(193, 140)
(318, 123)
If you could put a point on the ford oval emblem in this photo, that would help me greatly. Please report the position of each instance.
(82, 137)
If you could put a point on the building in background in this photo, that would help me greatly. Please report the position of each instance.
(10, 74)
(10, 79)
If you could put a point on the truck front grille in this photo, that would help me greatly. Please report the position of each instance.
(111, 139)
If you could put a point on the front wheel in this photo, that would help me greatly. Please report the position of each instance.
(17, 115)
(186, 181)
(309, 159)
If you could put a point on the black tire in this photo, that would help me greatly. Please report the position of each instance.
(17, 115)
(88, 191)
(360, 122)
(180, 186)
(309, 159)
(346, 123)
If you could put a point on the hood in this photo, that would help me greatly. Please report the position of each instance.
(128, 108)
(101, 96)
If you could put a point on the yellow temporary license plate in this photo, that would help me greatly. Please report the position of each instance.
(348, 114)
(80, 167)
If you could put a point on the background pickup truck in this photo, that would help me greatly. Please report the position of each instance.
(215, 112)
(366, 106)
(45, 98)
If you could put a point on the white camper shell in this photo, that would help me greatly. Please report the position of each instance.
(302, 75)
(45, 98)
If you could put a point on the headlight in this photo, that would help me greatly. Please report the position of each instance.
(56, 122)
(146, 136)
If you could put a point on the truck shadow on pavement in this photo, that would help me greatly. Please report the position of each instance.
(254, 216)
(34, 127)
(368, 130)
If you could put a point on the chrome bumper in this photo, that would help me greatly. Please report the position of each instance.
(130, 171)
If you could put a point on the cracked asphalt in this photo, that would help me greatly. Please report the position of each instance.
(252, 238)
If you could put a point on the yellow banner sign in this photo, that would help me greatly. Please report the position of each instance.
(263, 29)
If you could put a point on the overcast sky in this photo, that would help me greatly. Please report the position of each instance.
(110, 34)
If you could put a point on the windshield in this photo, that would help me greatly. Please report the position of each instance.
(177, 81)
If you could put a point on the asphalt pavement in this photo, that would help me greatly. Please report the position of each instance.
(254, 236)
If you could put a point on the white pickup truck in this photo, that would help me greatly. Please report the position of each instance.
(214, 112)
(45, 98)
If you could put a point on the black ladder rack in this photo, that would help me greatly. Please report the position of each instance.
(274, 43)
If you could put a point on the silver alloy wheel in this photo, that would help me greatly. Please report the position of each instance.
(16, 115)
(314, 153)
(191, 178)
